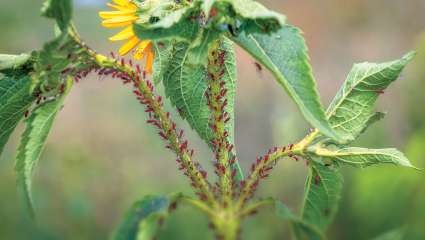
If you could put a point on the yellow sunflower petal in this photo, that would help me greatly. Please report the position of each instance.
(141, 49)
(113, 14)
(124, 34)
(121, 2)
(149, 61)
(128, 46)
(122, 8)
(119, 21)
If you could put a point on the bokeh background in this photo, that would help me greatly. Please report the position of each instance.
(101, 156)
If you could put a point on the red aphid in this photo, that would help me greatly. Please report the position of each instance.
(381, 91)
(213, 12)
(291, 146)
(258, 66)
(317, 180)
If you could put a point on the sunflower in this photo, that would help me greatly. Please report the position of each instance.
(124, 16)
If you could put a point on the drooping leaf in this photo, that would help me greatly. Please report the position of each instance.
(284, 53)
(364, 157)
(322, 194)
(60, 10)
(185, 85)
(301, 229)
(13, 61)
(33, 139)
(15, 99)
(143, 220)
(352, 108)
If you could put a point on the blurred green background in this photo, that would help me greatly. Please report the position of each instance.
(101, 156)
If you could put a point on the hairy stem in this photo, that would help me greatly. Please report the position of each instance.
(217, 101)
(252, 208)
(226, 225)
(264, 165)
(158, 117)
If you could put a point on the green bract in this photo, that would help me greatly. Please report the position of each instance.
(185, 21)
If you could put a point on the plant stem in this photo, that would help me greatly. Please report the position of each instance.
(253, 207)
(265, 164)
(217, 102)
(200, 205)
(166, 125)
(226, 225)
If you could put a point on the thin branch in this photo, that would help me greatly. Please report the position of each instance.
(263, 166)
(216, 95)
(144, 91)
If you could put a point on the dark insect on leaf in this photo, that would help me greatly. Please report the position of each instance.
(258, 67)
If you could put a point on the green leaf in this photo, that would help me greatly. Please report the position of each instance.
(13, 61)
(143, 220)
(322, 194)
(375, 117)
(250, 16)
(56, 56)
(60, 10)
(177, 25)
(284, 53)
(33, 139)
(396, 234)
(351, 110)
(15, 99)
(364, 157)
(185, 85)
(163, 56)
(184, 22)
(300, 229)
(350, 113)
(200, 47)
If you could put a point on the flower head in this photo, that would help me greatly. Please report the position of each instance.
(125, 15)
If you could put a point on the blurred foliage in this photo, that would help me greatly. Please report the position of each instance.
(90, 176)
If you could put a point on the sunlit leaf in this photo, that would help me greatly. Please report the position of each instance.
(364, 157)
(178, 24)
(284, 53)
(352, 108)
(13, 61)
(250, 16)
(186, 21)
